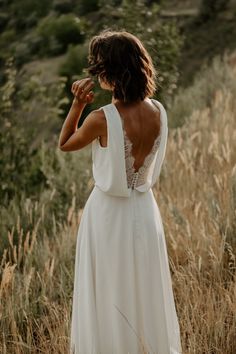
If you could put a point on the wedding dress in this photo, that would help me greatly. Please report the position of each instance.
(123, 300)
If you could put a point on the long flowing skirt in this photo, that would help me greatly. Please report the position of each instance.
(123, 300)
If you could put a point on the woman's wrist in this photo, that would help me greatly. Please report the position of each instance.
(78, 103)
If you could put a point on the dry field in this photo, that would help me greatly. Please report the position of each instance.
(197, 200)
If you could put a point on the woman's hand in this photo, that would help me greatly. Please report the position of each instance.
(81, 89)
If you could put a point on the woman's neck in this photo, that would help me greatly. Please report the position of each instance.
(122, 103)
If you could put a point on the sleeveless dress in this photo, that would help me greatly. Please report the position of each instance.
(123, 301)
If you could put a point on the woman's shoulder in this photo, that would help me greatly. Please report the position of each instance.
(100, 111)
(99, 115)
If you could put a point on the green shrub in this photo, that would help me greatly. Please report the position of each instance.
(32, 168)
(6, 37)
(75, 61)
(25, 13)
(63, 6)
(4, 18)
(19, 167)
(21, 52)
(58, 32)
(34, 42)
(210, 8)
(86, 6)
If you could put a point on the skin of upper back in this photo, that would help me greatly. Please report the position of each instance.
(142, 126)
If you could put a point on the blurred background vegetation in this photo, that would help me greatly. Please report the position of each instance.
(43, 49)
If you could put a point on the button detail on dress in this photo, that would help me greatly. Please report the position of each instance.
(134, 180)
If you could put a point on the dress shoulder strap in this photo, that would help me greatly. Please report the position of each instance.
(163, 142)
(114, 128)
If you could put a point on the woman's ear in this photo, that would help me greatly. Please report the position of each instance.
(105, 85)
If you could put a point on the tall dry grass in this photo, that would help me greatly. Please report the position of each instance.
(197, 196)
(197, 199)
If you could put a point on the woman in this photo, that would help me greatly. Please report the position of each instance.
(123, 300)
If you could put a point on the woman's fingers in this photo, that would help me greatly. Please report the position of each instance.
(90, 97)
(86, 89)
(82, 92)
(81, 83)
(85, 86)
(81, 89)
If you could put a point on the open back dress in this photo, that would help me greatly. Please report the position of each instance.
(123, 300)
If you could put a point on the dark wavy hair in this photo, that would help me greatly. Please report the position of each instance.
(120, 59)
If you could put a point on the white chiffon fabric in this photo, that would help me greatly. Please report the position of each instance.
(123, 300)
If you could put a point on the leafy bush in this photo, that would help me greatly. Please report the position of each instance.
(58, 32)
(75, 61)
(210, 8)
(31, 170)
(34, 43)
(16, 173)
(4, 18)
(20, 169)
(25, 13)
(21, 53)
(63, 6)
(86, 6)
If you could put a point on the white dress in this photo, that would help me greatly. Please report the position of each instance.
(123, 299)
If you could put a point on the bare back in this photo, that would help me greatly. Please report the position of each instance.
(141, 122)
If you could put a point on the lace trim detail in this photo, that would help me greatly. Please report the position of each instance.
(135, 179)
